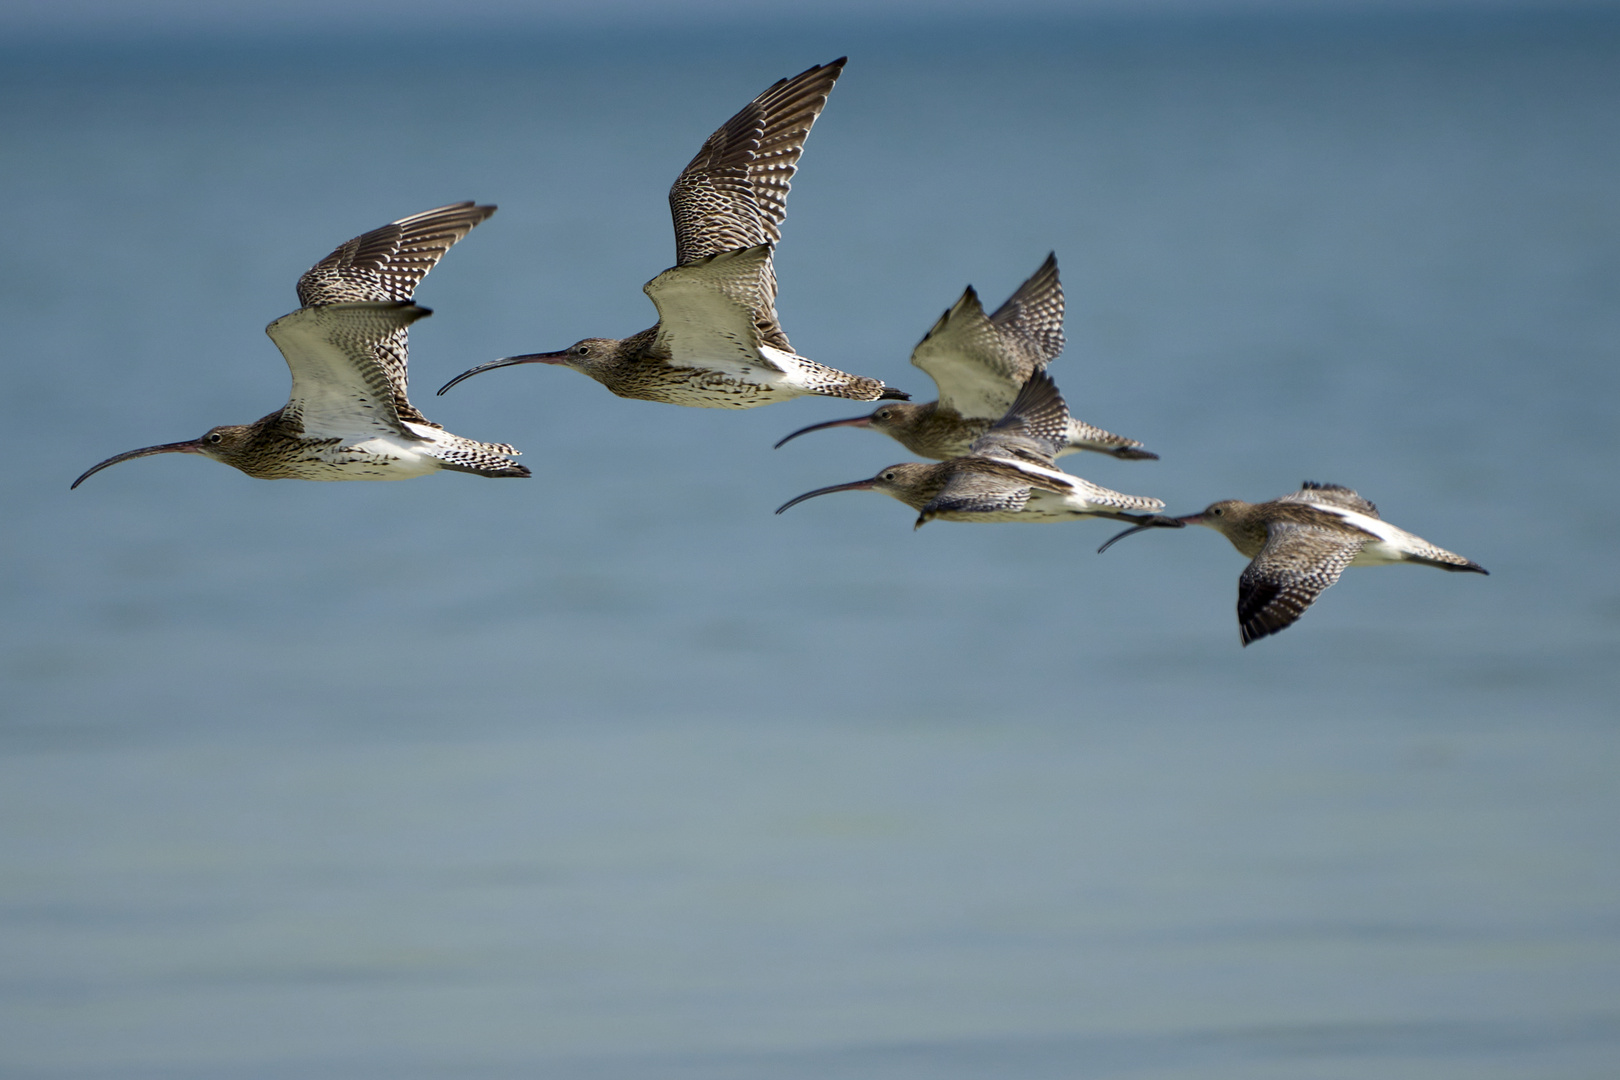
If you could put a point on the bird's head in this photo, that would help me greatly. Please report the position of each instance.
(1224, 517)
(585, 355)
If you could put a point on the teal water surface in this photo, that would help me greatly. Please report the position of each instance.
(614, 773)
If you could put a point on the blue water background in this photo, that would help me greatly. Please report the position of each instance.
(612, 773)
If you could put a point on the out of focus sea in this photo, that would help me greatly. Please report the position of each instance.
(611, 773)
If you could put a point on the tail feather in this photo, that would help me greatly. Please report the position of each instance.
(1084, 436)
(1462, 566)
(1117, 500)
(484, 459)
(1428, 554)
(485, 470)
(830, 382)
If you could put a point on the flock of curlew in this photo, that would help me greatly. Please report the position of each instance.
(996, 430)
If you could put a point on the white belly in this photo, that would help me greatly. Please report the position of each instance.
(1378, 553)
(380, 457)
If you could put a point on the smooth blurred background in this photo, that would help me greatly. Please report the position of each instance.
(612, 773)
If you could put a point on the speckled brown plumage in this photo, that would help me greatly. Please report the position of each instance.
(979, 362)
(1300, 543)
(1008, 476)
(718, 343)
(349, 416)
(733, 193)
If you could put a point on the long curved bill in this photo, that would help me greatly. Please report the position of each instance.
(1152, 521)
(858, 485)
(509, 361)
(858, 421)
(191, 446)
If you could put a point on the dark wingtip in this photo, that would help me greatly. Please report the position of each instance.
(1253, 633)
(1132, 453)
(891, 394)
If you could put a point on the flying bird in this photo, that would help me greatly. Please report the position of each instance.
(348, 417)
(1300, 544)
(979, 362)
(1008, 475)
(718, 343)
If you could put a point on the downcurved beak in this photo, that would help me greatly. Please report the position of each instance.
(191, 446)
(509, 361)
(858, 421)
(1152, 521)
(858, 485)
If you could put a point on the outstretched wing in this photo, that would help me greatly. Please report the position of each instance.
(708, 312)
(733, 194)
(385, 265)
(339, 387)
(1035, 427)
(1297, 562)
(980, 361)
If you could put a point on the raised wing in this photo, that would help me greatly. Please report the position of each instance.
(1033, 316)
(1331, 495)
(980, 361)
(710, 311)
(386, 265)
(1035, 427)
(339, 388)
(1297, 562)
(733, 194)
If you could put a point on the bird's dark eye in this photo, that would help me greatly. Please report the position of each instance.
(883, 414)
(581, 350)
(1217, 512)
(216, 437)
(888, 476)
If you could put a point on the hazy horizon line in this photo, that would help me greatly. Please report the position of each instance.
(109, 24)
